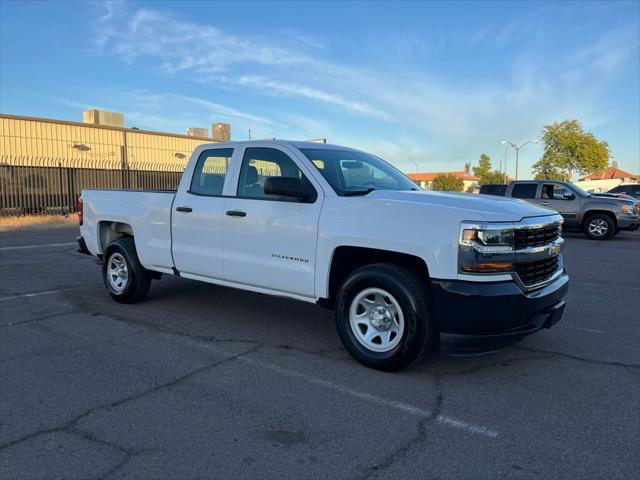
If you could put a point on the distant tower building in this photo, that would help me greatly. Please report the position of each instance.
(103, 117)
(198, 132)
(221, 132)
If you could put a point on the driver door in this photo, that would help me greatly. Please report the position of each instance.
(270, 240)
(561, 199)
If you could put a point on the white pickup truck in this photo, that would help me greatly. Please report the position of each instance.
(406, 271)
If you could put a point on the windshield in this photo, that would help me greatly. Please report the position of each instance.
(577, 189)
(357, 173)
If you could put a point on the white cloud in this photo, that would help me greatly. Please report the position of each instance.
(168, 101)
(611, 52)
(294, 89)
(444, 121)
(183, 45)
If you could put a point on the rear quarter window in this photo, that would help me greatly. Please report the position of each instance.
(493, 189)
(524, 190)
(210, 172)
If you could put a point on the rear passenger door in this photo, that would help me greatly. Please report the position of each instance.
(197, 216)
(525, 191)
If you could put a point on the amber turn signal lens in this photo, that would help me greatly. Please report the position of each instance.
(469, 235)
(80, 212)
(488, 267)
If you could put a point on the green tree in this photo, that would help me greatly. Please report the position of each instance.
(547, 170)
(484, 173)
(493, 178)
(467, 167)
(568, 148)
(447, 183)
(484, 166)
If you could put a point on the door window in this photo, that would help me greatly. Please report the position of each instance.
(524, 190)
(259, 164)
(210, 172)
(559, 193)
(553, 191)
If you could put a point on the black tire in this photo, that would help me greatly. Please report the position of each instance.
(138, 281)
(410, 293)
(601, 219)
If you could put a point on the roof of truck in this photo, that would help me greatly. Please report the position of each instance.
(294, 143)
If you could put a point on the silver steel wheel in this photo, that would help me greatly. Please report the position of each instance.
(376, 320)
(117, 273)
(598, 227)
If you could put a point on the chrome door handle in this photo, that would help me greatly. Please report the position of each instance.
(544, 203)
(184, 209)
(236, 213)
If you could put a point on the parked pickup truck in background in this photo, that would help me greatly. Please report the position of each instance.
(404, 270)
(599, 217)
(630, 189)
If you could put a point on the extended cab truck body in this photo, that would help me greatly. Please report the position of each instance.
(599, 217)
(405, 270)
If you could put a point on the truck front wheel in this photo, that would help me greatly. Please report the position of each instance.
(125, 278)
(382, 316)
(599, 226)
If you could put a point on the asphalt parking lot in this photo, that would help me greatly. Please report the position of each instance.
(201, 381)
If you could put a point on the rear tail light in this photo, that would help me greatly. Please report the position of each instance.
(80, 211)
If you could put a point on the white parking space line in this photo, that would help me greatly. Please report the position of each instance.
(582, 329)
(38, 294)
(385, 402)
(43, 245)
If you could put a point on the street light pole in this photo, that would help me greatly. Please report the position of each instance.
(414, 162)
(517, 149)
(505, 163)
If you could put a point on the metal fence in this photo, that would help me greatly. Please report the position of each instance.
(49, 186)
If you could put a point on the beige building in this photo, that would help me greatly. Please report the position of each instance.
(607, 179)
(198, 132)
(103, 117)
(40, 141)
(425, 180)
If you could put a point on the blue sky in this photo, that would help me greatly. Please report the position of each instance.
(427, 82)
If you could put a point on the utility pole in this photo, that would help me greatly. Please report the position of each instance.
(249, 134)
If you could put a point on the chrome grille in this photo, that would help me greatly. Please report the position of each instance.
(537, 236)
(532, 273)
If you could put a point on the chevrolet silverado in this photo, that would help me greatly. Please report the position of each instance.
(406, 271)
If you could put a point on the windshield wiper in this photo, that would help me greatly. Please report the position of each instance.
(353, 193)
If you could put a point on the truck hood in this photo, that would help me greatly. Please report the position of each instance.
(477, 207)
(611, 200)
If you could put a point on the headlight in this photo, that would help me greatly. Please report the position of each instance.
(486, 248)
(630, 209)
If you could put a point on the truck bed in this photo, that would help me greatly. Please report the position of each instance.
(146, 212)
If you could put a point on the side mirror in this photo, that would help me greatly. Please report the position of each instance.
(289, 187)
(569, 196)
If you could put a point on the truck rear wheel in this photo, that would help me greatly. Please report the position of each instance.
(382, 316)
(125, 278)
(599, 226)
